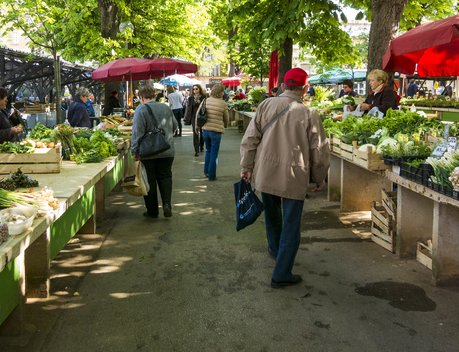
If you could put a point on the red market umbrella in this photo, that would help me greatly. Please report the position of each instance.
(232, 81)
(162, 67)
(121, 69)
(273, 70)
(431, 49)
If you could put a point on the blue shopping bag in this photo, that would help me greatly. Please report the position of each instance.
(248, 206)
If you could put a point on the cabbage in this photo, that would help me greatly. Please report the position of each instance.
(386, 142)
(364, 147)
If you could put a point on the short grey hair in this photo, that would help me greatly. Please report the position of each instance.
(294, 88)
(82, 92)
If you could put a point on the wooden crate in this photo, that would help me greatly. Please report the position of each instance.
(335, 145)
(389, 202)
(42, 161)
(368, 159)
(424, 255)
(125, 129)
(382, 227)
(347, 151)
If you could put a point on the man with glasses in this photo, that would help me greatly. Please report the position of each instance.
(78, 114)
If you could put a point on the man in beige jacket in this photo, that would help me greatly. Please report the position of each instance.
(283, 149)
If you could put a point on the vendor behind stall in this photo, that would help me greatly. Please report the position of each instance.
(8, 130)
(78, 114)
(382, 96)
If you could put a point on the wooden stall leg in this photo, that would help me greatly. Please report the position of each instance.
(414, 221)
(445, 245)
(37, 266)
(334, 179)
(89, 227)
(360, 187)
(100, 200)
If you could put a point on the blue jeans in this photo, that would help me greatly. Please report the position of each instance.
(283, 231)
(212, 141)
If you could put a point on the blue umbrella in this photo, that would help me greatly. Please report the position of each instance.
(337, 75)
(179, 80)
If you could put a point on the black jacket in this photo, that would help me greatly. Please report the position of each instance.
(78, 115)
(191, 110)
(383, 100)
(5, 127)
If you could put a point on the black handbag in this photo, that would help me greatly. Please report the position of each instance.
(201, 117)
(153, 142)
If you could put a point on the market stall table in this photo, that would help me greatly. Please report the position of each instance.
(423, 215)
(25, 259)
(354, 186)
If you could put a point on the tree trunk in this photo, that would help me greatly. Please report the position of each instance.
(285, 61)
(109, 18)
(232, 64)
(109, 27)
(57, 87)
(384, 25)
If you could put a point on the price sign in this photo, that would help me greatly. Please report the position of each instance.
(452, 143)
(439, 150)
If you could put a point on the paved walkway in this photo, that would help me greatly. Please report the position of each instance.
(192, 283)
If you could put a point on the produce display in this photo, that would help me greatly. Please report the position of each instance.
(80, 145)
(404, 138)
(16, 148)
(17, 180)
(18, 219)
(438, 102)
(400, 132)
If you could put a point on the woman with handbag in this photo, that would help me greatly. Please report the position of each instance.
(192, 106)
(217, 120)
(151, 118)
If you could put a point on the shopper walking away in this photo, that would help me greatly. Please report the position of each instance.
(175, 100)
(190, 114)
(283, 149)
(217, 120)
(158, 167)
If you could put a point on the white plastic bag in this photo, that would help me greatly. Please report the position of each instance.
(357, 112)
(375, 112)
(136, 181)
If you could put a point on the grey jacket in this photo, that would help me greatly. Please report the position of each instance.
(143, 123)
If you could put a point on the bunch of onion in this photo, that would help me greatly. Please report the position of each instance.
(10, 199)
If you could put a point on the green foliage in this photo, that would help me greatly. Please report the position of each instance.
(323, 93)
(173, 28)
(312, 24)
(257, 95)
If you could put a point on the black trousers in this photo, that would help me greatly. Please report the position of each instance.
(178, 113)
(159, 172)
(198, 141)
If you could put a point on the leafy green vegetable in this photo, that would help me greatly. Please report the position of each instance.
(15, 148)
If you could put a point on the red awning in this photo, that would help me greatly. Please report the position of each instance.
(137, 69)
(232, 81)
(273, 70)
(431, 49)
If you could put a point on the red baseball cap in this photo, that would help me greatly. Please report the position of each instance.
(296, 77)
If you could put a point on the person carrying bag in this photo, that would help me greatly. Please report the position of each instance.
(152, 143)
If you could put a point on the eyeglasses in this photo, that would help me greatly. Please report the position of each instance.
(195, 88)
